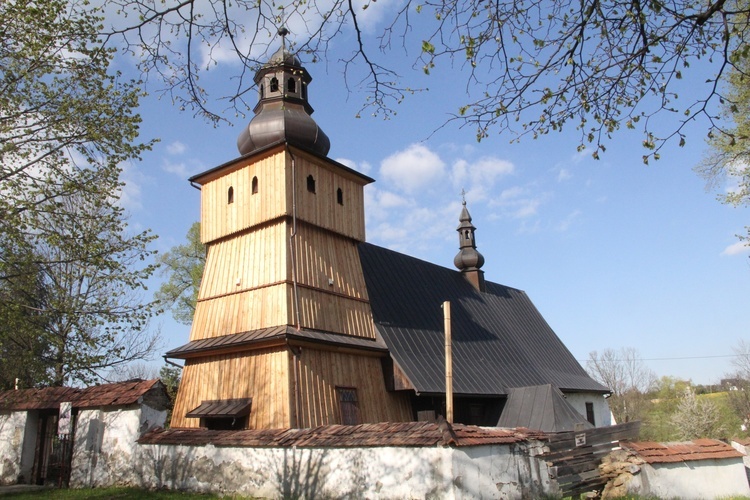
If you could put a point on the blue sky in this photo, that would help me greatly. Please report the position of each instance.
(612, 252)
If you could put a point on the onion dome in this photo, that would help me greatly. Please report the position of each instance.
(282, 112)
(468, 258)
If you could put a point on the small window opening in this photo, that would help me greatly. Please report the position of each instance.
(467, 235)
(291, 85)
(262, 90)
(274, 84)
(304, 91)
(255, 185)
(349, 405)
(311, 183)
(590, 413)
(224, 424)
(339, 196)
(230, 195)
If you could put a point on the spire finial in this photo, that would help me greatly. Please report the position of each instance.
(283, 32)
(463, 196)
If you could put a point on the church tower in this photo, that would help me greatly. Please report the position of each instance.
(283, 334)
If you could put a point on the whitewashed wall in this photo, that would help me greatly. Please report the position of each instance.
(491, 471)
(12, 427)
(702, 479)
(578, 400)
(105, 443)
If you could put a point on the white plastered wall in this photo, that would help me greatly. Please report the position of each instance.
(700, 479)
(602, 414)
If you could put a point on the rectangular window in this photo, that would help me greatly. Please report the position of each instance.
(348, 405)
(590, 413)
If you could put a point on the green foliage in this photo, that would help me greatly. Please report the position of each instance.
(70, 272)
(532, 68)
(115, 492)
(729, 158)
(183, 265)
(170, 376)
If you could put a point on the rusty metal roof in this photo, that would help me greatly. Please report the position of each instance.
(222, 408)
(345, 436)
(698, 449)
(281, 333)
(117, 394)
(500, 340)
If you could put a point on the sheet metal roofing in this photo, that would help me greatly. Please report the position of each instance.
(344, 436)
(699, 449)
(284, 332)
(222, 408)
(541, 407)
(500, 340)
(118, 394)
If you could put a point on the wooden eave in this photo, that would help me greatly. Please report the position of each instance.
(274, 337)
(238, 163)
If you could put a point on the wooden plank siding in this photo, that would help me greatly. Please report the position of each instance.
(264, 377)
(220, 218)
(320, 372)
(241, 312)
(274, 197)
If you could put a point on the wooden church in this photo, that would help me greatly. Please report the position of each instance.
(300, 322)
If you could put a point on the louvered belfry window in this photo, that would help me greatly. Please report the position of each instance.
(348, 405)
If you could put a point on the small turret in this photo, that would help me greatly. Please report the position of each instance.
(468, 260)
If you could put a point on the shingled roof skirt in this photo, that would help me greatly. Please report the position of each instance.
(222, 408)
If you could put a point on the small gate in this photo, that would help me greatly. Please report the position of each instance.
(53, 454)
(574, 457)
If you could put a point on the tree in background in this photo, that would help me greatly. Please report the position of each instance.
(729, 157)
(170, 377)
(70, 272)
(534, 68)
(183, 266)
(629, 379)
(696, 418)
(739, 394)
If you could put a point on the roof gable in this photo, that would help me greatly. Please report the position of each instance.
(499, 338)
(543, 408)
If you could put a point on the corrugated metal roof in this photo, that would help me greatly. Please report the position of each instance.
(117, 394)
(284, 332)
(222, 408)
(500, 340)
(344, 436)
(541, 407)
(698, 449)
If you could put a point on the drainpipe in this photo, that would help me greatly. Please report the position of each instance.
(292, 239)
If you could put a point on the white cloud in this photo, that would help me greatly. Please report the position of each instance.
(480, 176)
(176, 148)
(518, 203)
(563, 175)
(363, 167)
(130, 193)
(568, 221)
(412, 169)
(179, 169)
(738, 248)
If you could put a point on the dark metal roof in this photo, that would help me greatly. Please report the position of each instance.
(500, 340)
(344, 436)
(222, 408)
(541, 407)
(281, 333)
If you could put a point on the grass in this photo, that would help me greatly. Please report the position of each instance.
(111, 494)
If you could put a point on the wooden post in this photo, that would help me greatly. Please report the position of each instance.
(448, 363)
